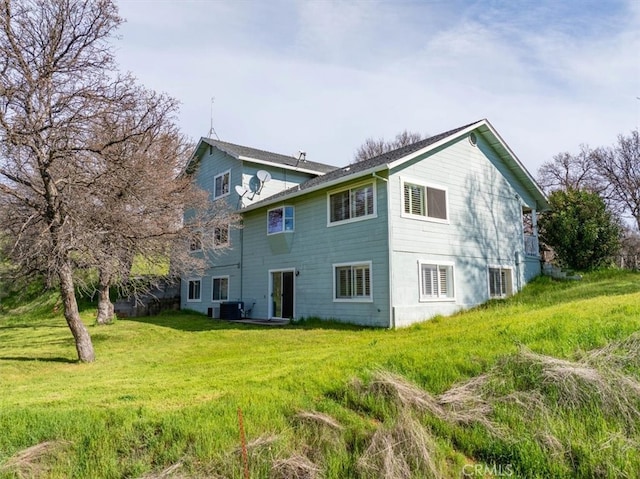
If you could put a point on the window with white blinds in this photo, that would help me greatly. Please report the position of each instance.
(436, 281)
(425, 201)
(500, 282)
(355, 203)
(352, 282)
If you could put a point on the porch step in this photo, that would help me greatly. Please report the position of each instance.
(557, 272)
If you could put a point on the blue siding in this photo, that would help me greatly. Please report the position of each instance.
(311, 250)
(484, 228)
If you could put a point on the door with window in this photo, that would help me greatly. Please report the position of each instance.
(282, 294)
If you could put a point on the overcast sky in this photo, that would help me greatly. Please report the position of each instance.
(322, 76)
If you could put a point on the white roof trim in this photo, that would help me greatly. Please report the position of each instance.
(320, 186)
(277, 165)
(435, 145)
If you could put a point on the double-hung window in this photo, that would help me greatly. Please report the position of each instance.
(196, 242)
(500, 282)
(355, 203)
(280, 220)
(220, 288)
(194, 287)
(420, 200)
(352, 282)
(436, 281)
(221, 236)
(221, 184)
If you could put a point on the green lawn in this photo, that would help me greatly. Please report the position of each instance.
(165, 391)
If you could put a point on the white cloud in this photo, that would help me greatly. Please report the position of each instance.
(323, 76)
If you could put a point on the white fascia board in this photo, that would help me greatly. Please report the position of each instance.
(435, 145)
(321, 186)
(280, 165)
(522, 169)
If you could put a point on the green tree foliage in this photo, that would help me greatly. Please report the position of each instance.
(580, 228)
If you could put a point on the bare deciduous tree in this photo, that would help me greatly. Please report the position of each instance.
(618, 168)
(612, 172)
(568, 171)
(89, 162)
(372, 147)
(54, 77)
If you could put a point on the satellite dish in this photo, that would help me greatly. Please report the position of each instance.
(263, 176)
(240, 190)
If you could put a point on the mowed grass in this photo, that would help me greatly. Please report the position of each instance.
(166, 390)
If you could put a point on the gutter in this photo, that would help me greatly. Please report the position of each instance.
(320, 186)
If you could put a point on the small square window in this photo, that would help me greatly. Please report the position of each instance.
(500, 282)
(220, 288)
(280, 220)
(436, 281)
(221, 236)
(194, 286)
(196, 242)
(221, 184)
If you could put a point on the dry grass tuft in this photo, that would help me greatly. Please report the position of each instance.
(580, 384)
(32, 461)
(617, 354)
(318, 418)
(266, 440)
(171, 472)
(466, 404)
(400, 452)
(295, 467)
(405, 394)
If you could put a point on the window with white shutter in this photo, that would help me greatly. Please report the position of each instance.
(424, 201)
(352, 282)
(353, 204)
(436, 281)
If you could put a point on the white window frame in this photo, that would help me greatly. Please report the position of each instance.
(195, 245)
(284, 220)
(351, 188)
(439, 267)
(425, 186)
(223, 193)
(215, 241)
(213, 288)
(355, 265)
(509, 289)
(199, 298)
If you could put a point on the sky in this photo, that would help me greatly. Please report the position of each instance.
(322, 76)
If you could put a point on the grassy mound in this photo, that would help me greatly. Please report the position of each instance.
(544, 384)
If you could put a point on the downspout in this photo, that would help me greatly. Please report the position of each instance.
(392, 317)
(241, 264)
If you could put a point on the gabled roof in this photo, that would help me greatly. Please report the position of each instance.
(254, 155)
(401, 155)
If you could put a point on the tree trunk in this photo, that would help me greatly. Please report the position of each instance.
(105, 306)
(84, 346)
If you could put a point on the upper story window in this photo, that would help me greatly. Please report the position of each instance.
(280, 219)
(196, 242)
(424, 201)
(221, 184)
(221, 235)
(353, 204)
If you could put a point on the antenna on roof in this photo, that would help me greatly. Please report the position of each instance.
(212, 130)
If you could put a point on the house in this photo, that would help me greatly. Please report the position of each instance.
(424, 230)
